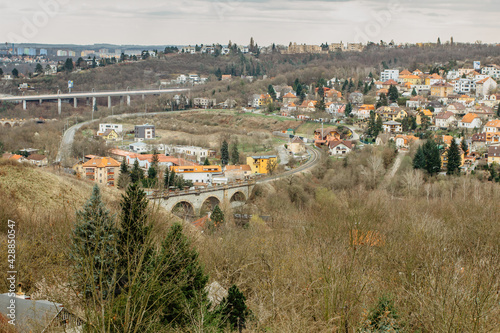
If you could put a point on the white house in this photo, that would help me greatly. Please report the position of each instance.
(492, 71)
(445, 119)
(492, 126)
(118, 128)
(138, 147)
(392, 127)
(470, 121)
(340, 147)
(485, 86)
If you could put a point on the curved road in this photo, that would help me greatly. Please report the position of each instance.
(69, 137)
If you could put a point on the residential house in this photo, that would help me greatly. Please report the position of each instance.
(416, 102)
(478, 141)
(307, 106)
(290, 98)
(363, 112)
(409, 78)
(323, 136)
(424, 113)
(392, 127)
(101, 170)
(387, 84)
(226, 77)
(259, 101)
(492, 126)
(456, 108)
(494, 154)
(237, 172)
(470, 121)
(204, 103)
(404, 141)
(192, 153)
(485, 86)
(118, 128)
(340, 147)
(466, 100)
(492, 71)
(198, 173)
(38, 160)
(139, 147)
(14, 157)
(441, 89)
(110, 135)
(484, 112)
(297, 146)
(433, 79)
(333, 95)
(262, 164)
(144, 132)
(445, 119)
(391, 113)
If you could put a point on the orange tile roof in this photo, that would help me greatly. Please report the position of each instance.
(101, 162)
(244, 167)
(390, 82)
(289, 95)
(405, 72)
(493, 123)
(469, 117)
(15, 157)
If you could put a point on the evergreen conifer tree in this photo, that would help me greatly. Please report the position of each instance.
(234, 309)
(453, 155)
(224, 151)
(348, 109)
(419, 159)
(183, 276)
(432, 157)
(207, 162)
(134, 225)
(235, 154)
(217, 216)
(94, 248)
(136, 174)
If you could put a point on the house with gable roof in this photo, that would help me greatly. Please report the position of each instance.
(445, 119)
(470, 121)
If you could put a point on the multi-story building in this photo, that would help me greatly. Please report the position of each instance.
(198, 173)
(104, 127)
(494, 155)
(392, 127)
(203, 102)
(441, 89)
(492, 71)
(464, 86)
(198, 154)
(101, 170)
(389, 74)
(262, 164)
(144, 132)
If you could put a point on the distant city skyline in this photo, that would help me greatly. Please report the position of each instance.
(184, 22)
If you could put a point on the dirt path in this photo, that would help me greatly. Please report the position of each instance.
(395, 166)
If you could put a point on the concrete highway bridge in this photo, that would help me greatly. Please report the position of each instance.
(86, 95)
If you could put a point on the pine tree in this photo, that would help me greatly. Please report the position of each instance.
(432, 157)
(454, 160)
(419, 159)
(124, 166)
(94, 249)
(383, 317)
(224, 151)
(235, 155)
(217, 216)
(136, 174)
(207, 162)
(414, 92)
(183, 276)
(463, 145)
(348, 109)
(393, 93)
(379, 126)
(234, 309)
(134, 225)
(498, 110)
(271, 92)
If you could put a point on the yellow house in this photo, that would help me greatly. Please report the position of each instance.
(101, 170)
(494, 155)
(441, 89)
(423, 113)
(389, 113)
(110, 135)
(413, 79)
(264, 99)
(262, 164)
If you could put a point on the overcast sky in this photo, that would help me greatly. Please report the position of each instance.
(186, 22)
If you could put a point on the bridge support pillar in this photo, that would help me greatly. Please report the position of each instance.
(59, 106)
(75, 102)
(128, 100)
(94, 103)
(40, 102)
(24, 105)
(109, 102)
(143, 97)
